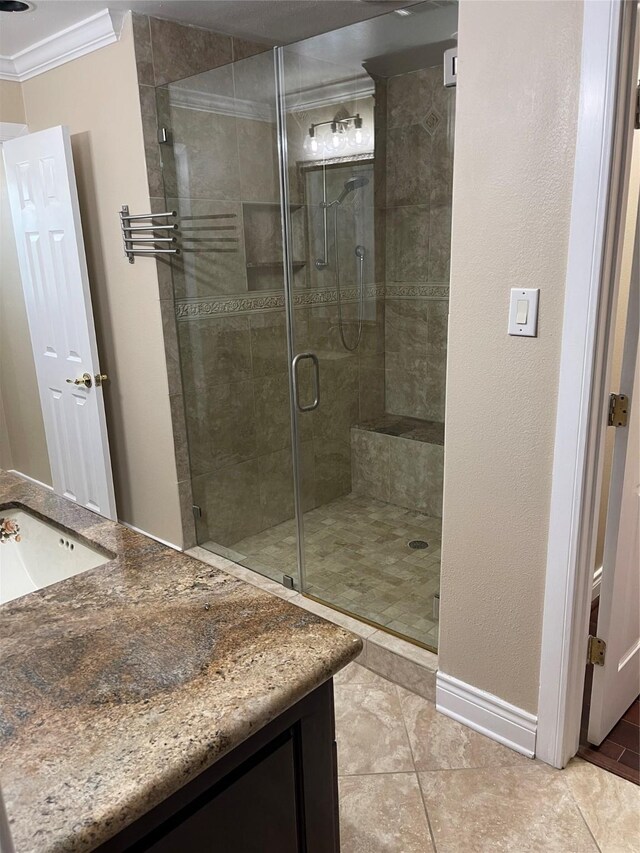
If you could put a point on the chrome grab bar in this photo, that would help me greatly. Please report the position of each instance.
(316, 371)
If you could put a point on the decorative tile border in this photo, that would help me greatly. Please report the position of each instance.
(401, 290)
(273, 300)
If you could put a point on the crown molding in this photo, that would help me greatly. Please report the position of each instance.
(9, 130)
(309, 99)
(77, 40)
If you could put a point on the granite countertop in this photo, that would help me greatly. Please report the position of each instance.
(119, 685)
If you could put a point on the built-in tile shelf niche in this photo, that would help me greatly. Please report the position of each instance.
(263, 243)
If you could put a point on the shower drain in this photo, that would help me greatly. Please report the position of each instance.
(418, 544)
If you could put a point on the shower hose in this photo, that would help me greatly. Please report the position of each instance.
(360, 256)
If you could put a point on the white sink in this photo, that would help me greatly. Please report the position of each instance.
(44, 554)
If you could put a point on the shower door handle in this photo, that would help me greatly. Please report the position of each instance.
(316, 372)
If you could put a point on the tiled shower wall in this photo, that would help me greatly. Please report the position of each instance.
(227, 353)
(168, 51)
(418, 171)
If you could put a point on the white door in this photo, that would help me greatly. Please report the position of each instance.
(46, 221)
(617, 683)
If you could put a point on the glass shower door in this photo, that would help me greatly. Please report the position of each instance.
(367, 150)
(220, 170)
(338, 314)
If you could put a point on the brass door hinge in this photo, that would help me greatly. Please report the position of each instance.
(618, 410)
(596, 651)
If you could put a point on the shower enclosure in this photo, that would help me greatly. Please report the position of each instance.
(313, 191)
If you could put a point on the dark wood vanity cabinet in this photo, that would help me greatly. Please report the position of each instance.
(275, 793)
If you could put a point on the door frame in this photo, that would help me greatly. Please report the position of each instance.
(608, 76)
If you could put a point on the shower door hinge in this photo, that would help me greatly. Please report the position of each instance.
(164, 137)
(197, 511)
(596, 651)
(618, 410)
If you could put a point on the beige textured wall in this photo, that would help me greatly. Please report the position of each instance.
(22, 440)
(11, 103)
(96, 96)
(517, 101)
(24, 447)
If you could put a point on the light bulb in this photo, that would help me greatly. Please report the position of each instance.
(359, 137)
(311, 145)
(338, 142)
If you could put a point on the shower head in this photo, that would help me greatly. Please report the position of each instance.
(352, 184)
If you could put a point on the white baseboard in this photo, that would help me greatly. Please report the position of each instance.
(151, 536)
(487, 714)
(30, 479)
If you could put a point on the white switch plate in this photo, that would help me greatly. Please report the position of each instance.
(530, 295)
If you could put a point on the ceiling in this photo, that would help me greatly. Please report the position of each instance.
(269, 21)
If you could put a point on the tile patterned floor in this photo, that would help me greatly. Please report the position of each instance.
(414, 781)
(358, 559)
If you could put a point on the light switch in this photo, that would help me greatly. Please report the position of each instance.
(523, 311)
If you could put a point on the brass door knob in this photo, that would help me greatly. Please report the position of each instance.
(100, 378)
(86, 380)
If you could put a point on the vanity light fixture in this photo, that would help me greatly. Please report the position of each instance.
(344, 131)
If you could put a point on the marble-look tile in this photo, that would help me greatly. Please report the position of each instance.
(439, 243)
(268, 343)
(214, 351)
(142, 44)
(258, 153)
(383, 814)
(442, 163)
(196, 135)
(370, 464)
(185, 496)
(332, 470)
(242, 49)
(370, 731)
(408, 165)
(610, 806)
(171, 345)
(355, 673)
(180, 440)
(272, 413)
(150, 137)
(276, 487)
(407, 236)
(230, 500)
(440, 743)
(370, 392)
(416, 481)
(213, 261)
(401, 670)
(181, 51)
(510, 809)
(356, 627)
(409, 96)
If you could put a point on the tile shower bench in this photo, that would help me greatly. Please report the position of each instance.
(399, 460)
(156, 703)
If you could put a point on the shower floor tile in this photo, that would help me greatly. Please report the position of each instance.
(358, 559)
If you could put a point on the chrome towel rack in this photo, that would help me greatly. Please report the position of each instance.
(130, 233)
